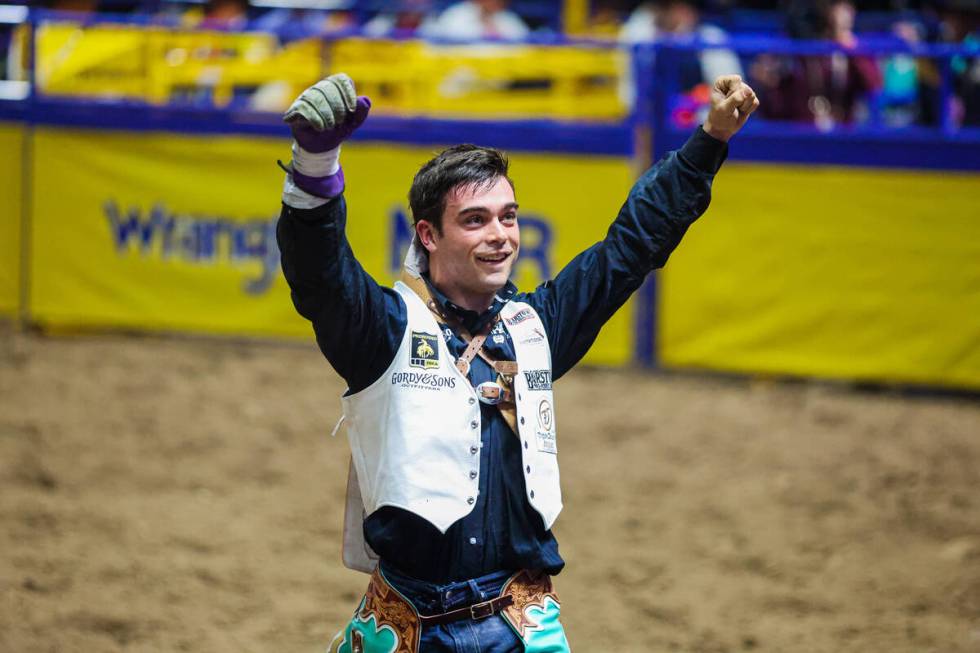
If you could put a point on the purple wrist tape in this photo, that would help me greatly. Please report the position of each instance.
(325, 187)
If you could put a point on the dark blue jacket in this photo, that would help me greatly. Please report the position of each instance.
(359, 326)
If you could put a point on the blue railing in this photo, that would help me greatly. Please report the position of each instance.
(655, 72)
(657, 89)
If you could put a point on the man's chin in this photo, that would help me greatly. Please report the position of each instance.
(491, 285)
(498, 281)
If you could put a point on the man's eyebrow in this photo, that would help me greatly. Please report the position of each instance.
(510, 206)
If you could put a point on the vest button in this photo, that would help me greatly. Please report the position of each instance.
(474, 449)
(472, 473)
(522, 420)
(528, 468)
(474, 424)
(472, 401)
(525, 444)
(532, 494)
(471, 500)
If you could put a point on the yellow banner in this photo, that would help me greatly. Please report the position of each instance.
(833, 272)
(175, 232)
(11, 185)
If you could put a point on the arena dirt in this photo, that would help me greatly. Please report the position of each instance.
(164, 494)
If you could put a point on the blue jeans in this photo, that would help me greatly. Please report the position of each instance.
(490, 635)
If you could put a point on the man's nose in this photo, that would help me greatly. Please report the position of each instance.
(496, 232)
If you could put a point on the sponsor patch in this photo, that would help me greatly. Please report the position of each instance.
(547, 443)
(520, 316)
(422, 380)
(538, 379)
(546, 416)
(425, 350)
(537, 335)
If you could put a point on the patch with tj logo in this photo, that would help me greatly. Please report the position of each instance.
(425, 350)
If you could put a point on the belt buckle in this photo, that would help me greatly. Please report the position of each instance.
(481, 610)
(489, 393)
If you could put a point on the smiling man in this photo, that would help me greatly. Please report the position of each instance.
(472, 245)
(454, 485)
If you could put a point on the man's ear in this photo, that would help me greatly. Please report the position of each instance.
(427, 234)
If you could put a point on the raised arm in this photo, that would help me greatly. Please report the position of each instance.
(663, 203)
(358, 324)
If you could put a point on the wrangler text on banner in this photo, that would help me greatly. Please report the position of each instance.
(177, 232)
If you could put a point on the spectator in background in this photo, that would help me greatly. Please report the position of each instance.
(959, 23)
(962, 23)
(79, 6)
(225, 14)
(605, 19)
(294, 24)
(412, 17)
(825, 90)
(477, 19)
(681, 19)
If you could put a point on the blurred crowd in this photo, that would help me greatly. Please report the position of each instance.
(827, 89)
(838, 88)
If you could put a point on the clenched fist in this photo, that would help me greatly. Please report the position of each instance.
(732, 102)
(327, 113)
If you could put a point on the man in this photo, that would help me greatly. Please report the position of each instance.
(825, 90)
(449, 408)
(656, 20)
(477, 19)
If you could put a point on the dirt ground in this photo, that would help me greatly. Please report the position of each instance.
(165, 494)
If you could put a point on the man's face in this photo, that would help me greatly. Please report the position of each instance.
(492, 6)
(678, 17)
(471, 259)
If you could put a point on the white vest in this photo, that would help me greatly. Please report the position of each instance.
(415, 432)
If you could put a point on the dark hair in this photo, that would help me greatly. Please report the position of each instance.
(458, 166)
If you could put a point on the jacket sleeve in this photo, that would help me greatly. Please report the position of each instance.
(358, 324)
(663, 203)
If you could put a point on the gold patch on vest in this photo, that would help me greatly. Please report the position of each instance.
(424, 350)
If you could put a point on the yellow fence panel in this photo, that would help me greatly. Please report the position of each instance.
(488, 81)
(160, 65)
(95, 61)
(11, 185)
(832, 272)
(177, 232)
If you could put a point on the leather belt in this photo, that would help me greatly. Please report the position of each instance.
(475, 612)
(386, 607)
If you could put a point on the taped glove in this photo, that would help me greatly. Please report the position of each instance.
(321, 118)
(327, 113)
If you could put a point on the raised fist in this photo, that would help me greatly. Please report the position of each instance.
(732, 102)
(327, 113)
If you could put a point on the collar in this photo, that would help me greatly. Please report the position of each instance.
(471, 320)
(416, 271)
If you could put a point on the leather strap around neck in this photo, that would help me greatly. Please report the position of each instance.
(474, 347)
(505, 369)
